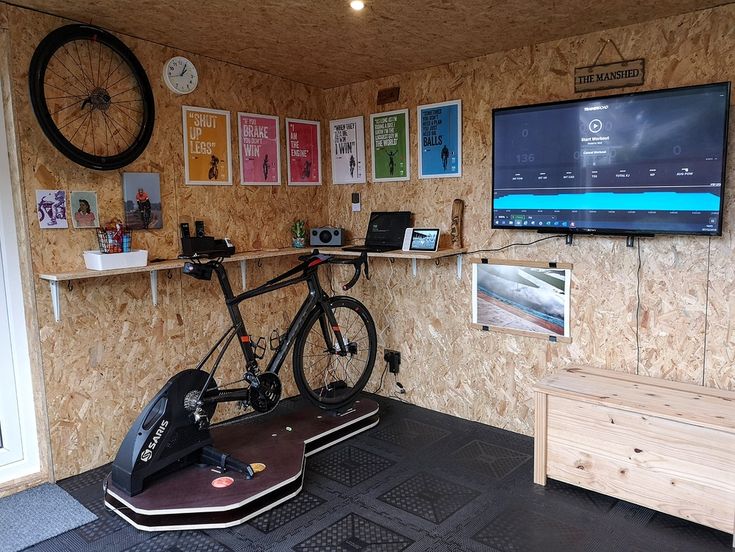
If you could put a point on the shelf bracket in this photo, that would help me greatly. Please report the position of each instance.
(154, 287)
(54, 284)
(243, 274)
(413, 267)
(459, 267)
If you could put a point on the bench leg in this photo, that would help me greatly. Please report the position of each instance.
(539, 441)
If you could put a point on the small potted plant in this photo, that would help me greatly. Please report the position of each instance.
(298, 231)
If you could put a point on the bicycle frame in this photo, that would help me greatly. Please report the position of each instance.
(316, 298)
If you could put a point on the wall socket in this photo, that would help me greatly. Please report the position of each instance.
(393, 358)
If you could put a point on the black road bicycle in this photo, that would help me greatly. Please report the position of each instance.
(334, 346)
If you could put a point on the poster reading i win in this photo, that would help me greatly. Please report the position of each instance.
(207, 156)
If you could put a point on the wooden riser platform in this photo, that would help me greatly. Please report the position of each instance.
(187, 499)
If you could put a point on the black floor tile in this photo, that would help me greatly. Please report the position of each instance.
(354, 533)
(286, 512)
(349, 465)
(429, 497)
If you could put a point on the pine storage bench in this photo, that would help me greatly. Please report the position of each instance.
(664, 445)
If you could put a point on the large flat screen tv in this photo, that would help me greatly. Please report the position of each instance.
(631, 164)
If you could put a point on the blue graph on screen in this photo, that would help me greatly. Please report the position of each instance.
(610, 201)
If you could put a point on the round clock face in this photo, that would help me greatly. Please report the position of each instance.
(180, 75)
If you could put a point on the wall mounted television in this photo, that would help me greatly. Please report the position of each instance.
(631, 164)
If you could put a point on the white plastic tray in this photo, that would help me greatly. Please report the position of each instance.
(94, 260)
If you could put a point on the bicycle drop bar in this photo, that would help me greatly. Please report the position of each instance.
(357, 263)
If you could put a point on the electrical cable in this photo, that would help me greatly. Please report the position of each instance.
(516, 244)
(706, 308)
(638, 311)
(380, 385)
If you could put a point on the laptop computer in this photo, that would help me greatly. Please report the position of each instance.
(385, 231)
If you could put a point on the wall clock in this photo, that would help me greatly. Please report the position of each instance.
(180, 75)
(91, 97)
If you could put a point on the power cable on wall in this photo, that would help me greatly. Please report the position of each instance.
(706, 308)
(638, 311)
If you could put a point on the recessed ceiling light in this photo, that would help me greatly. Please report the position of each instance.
(357, 5)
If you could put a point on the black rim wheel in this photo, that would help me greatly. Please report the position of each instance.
(325, 377)
(91, 97)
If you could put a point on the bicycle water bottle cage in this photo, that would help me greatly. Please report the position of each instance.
(258, 347)
(276, 339)
(198, 271)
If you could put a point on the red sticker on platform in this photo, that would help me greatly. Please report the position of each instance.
(222, 482)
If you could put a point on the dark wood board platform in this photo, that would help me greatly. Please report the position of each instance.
(187, 499)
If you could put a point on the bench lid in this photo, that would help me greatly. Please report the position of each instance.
(695, 404)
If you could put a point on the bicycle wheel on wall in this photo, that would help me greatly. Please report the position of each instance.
(91, 97)
(324, 377)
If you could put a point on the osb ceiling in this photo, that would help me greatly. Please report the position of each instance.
(326, 44)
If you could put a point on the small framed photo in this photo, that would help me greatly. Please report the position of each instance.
(142, 201)
(207, 146)
(303, 146)
(421, 239)
(51, 209)
(440, 139)
(260, 149)
(522, 297)
(84, 209)
(390, 158)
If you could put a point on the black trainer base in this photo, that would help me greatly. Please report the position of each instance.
(199, 497)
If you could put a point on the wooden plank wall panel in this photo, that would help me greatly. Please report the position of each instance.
(113, 350)
(486, 376)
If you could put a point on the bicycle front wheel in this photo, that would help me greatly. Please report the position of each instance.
(326, 376)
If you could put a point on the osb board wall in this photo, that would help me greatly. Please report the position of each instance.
(686, 304)
(113, 350)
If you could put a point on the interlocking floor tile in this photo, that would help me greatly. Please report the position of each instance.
(354, 533)
(286, 512)
(410, 434)
(489, 459)
(349, 466)
(429, 497)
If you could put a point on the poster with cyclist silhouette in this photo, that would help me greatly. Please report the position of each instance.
(390, 156)
(260, 153)
(440, 139)
(142, 201)
(304, 152)
(348, 150)
(207, 146)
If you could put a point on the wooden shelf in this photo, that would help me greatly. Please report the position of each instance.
(154, 267)
(413, 255)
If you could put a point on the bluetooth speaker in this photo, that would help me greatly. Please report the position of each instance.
(327, 236)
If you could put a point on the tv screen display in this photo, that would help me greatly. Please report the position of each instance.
(632, 164)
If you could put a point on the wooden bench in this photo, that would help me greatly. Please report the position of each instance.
(664, 445)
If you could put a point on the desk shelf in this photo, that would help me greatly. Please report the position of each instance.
(54, 279)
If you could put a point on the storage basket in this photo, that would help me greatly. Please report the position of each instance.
(114, 240)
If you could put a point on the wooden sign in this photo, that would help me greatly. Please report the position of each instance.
(389, 95)
(609, 75)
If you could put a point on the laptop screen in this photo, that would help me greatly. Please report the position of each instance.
(387, 228)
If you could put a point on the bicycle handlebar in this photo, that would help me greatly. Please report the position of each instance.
(357, 263)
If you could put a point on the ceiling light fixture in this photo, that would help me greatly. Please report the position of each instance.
(357, 5)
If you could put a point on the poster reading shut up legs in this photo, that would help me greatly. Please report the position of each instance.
(304, 152)
(260, 157)
(207, 154)
(440, 139)
(390, 146)
(348, 150)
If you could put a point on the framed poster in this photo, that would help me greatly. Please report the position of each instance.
(142, 201)
(51, 209)
(207, 146)
(390, 158)
(260, 150)
(84, 207)
(348, 150)
(440, 139)
(524, 298)
(304, 150)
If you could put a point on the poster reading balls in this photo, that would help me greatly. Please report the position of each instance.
(440, 139)
(390, 146)
(207, 155)
(260, 157)
(304, 152)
